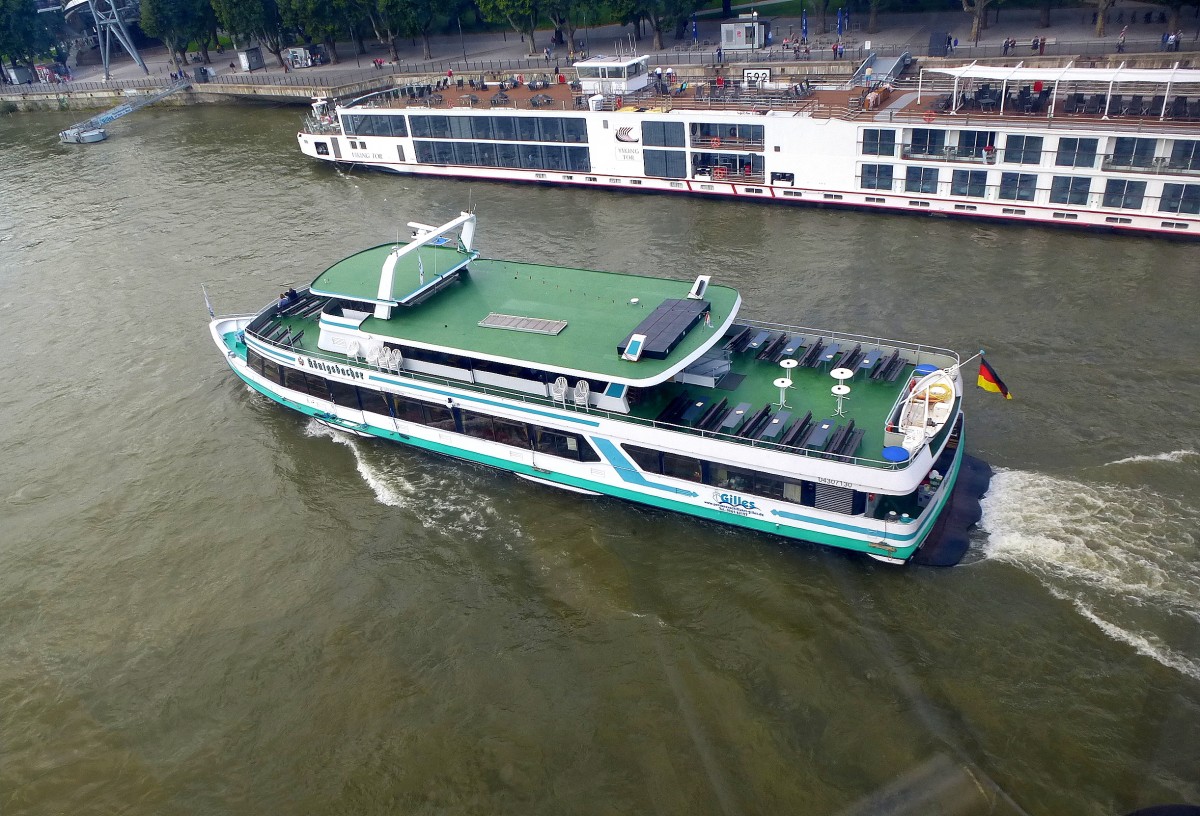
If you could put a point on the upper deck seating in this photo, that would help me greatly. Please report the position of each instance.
(869, 361)
(881, 370)
(1134, 107)
(739, 337)
(713, 416)
(791, 347)
(675, 408)
(771, 347)
(813, 354)
(799, 430)
(849, 358)
(294, 340)
(754, 424)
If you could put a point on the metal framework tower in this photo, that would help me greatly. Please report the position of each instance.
(110, 17)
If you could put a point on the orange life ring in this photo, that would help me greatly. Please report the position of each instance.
(715, 141)
(618, 103)
(930, 116)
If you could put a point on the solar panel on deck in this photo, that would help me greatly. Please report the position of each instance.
(535, 325)
(666, 326)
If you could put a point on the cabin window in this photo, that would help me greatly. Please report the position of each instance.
(1070, 190)
(662, 134)
(322, 148)
(505, 128)
(511, 433)
(481, 127)
(971, 183)
(478, 426)
(566, 445)
(1124, 195)
(1076, 152)
(921, 180)
(665, 163)
(1180, 198)
(928, 142)
(1131, 152)
(975, 142)
(879, 142)
(647, 459)
(876, 177)
(373, 401)
(681, 467)
(1023, 150)
(1018, 186)
(1185, 155)
(440, 416)
(343, 394)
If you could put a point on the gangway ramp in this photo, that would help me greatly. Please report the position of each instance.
(92, 130)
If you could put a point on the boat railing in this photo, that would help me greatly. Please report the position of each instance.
(322, 125)
(533, 399)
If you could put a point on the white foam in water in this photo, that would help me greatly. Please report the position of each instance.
(1173, 456)
(439, 501)
(1127, 551)
(384, 493)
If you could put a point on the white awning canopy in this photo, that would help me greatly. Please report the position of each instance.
(1154, 76)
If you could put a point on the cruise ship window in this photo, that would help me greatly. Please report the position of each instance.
(1132, 152)
(505, 128)
(373, 401)
(511, 433)
(464, 153)
(478, 426)
(507, 155)
(551, 128)
(440, 417)
(921, 180)
(1023, 150)
(575, 130)
(527, 129)
(1070, 190)
(481, 127)
(879, 142)
(928, 142)
(460, 127)
(876, 177)
(975, 142)
(443, 153)
(1124, 194)
(971, 183)
(681, 467)
(1185, 155)
(439, 127)
(486, 154)
(1018, 186)
(579, 160)
(420, 127)
(1076, 152)
(1180, 198)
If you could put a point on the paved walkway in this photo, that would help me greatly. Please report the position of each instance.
(1072, 29)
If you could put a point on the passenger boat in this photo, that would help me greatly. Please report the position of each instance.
(1108, 148)
(82, 135)
(652, 390)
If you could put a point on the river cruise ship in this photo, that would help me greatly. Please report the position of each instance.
(1113, 149)
(652, 390)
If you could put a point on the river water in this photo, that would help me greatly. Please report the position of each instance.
(212, 605)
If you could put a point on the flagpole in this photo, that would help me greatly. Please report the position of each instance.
(207, 304)
(972, 357)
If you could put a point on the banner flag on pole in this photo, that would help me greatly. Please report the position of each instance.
(989, 380)
(206, 303)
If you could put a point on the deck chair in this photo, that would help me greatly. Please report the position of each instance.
(558, 390)
(581, 394)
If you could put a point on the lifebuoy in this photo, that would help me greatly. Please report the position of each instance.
(715, 141)
(618, 103)
(930, 116)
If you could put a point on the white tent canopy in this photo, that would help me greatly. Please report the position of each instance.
(1069, 73)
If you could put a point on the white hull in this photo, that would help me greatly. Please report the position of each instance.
(807, 160)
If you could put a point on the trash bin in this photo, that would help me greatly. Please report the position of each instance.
(201, 74)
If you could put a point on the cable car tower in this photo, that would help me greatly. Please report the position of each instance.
(110, 17)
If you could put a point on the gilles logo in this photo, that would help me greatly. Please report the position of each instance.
(734, 501)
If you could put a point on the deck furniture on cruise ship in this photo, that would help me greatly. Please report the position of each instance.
(809, 360)
(752, 425)
(757, 341)
(827, 354)
(819, 438)
(774, 427)
(558, 389)
(1134, 107)
(799, 429)
(713, 416)
(1156, 106)
(739, 337)
(693, 411)
(673, 413)
(869, 361)
(791, 346)
(733, 420)
(580, 394)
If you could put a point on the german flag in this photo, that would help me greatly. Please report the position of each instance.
(989, 380)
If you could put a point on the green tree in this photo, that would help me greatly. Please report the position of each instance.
(978, 11)
(254, 20)
(1102, 7)
(172, 21)
(411, 18)
(24, 34)
(522, 15)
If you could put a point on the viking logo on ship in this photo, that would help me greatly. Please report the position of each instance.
(625, 134)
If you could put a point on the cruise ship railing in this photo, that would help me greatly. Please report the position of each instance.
(533, 399)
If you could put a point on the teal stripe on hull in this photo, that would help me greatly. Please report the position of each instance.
(831, 539)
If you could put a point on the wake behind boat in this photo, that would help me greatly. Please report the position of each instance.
(652, 390)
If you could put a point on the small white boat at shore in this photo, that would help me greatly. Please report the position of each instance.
(82, 135)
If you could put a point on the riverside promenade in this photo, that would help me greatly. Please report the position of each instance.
(1070, 36)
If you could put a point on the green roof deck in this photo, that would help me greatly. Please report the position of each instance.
(599, 308)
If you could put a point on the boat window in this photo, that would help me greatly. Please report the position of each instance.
(460, 127)
(507, 155)
(1131, 152)
(440, 416)
(921, 180)
(879, 142)
(971, 183)
(481, 127)
(1070, 190)
(1180, 198)
(527, 129)
(505, 127)
(975, 142)
(575, 130)
(511, 433)
(424, 152)
(1185, 155)
(485, 154)
(648, 459)
(665, 163)
(322, 148)
(1023, 150)
(579, 159)
(408, 410)
(478, 426)
(1076, 152)
(564, 444)
(1123, 194)
(443, 152)
(420, 127)
(254, 360)
(681, 467)
(662, 134)
(343, 394)
(464, 153)
(876, 177)
(1018, 186)
(928, 142)
(551, 127)
(373, 401)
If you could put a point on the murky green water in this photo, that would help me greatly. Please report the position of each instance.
(212, 606)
